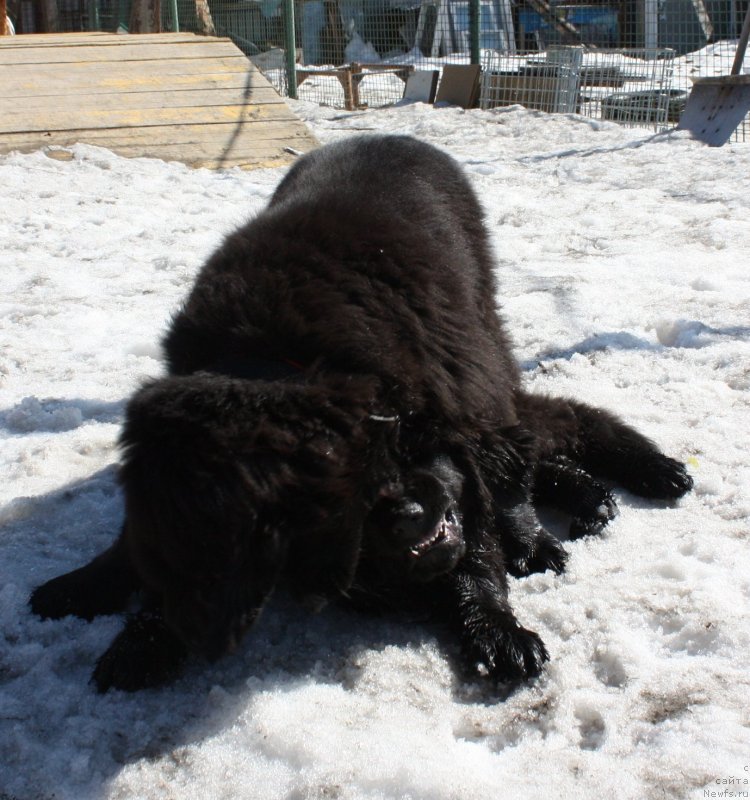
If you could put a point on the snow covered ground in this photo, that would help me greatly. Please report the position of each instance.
(623, 260)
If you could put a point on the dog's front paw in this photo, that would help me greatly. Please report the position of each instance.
(102, 586)
(544, 553)
(662, 478)
(62, 596)
(593, 518)
(503, 654)
(145, 654)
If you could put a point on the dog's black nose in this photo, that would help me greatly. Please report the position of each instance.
(409, 520)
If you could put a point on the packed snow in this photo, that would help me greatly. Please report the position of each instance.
(623, 264)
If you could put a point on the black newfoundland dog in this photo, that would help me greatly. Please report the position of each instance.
(343, 411)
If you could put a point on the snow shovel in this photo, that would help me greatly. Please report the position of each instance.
(717, 105)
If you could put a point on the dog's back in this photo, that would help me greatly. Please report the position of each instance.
(396, 175)
(371, 258)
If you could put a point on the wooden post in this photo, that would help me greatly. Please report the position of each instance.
(145, 16)
(205, 20)
(50, 20)
(3, 18)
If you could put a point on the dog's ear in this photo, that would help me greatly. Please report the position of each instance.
(323, 558)
(212, 615)
(322, 564)
(206, 558)
(201, 530)
(385, 473)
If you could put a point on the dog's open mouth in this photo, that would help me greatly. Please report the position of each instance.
(415, 529)
(446, 532)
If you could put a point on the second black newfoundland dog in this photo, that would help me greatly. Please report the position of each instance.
(343, 411)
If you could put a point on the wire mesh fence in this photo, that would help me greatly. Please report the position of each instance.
(632, 86)
(630, 61)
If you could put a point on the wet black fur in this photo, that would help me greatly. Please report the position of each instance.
(370, 272)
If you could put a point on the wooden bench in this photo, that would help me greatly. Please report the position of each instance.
(350, 76)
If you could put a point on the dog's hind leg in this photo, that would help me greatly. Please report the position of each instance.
(611, 449)
(601, 444)
(561, 484)
(101, 587)
(146, 653)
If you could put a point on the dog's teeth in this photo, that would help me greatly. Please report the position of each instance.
(420, 547)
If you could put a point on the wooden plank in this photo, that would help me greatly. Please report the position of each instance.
(258, 152)
(60, 120)
(172, 96)
(179, 134)
(121, 52)
(65, 84)
(200, 146)
(200, 98)
(459, 85)
(107, 37)
(421, 86)
(128, 70)
(103, 37)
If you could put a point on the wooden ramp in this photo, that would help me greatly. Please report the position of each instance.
(174, 96)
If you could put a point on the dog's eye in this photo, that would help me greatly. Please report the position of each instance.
(392, 488)
(450, 516)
